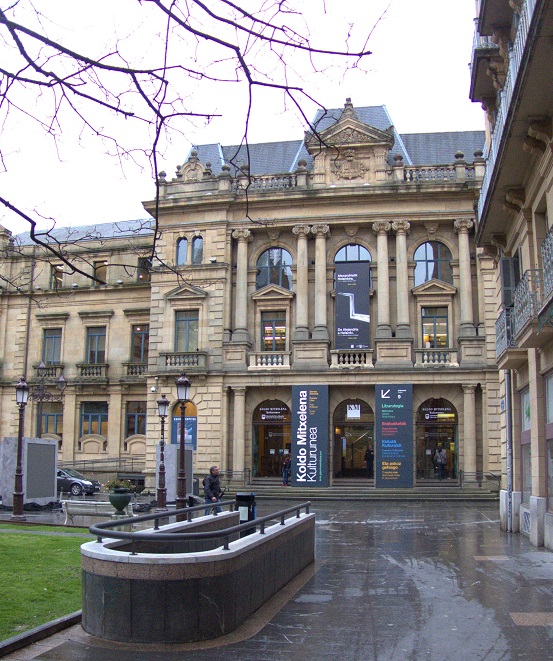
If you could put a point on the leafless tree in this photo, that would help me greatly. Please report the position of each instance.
(156, 69)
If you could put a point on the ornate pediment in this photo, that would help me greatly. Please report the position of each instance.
(273, 292)
(186, 292)
(434, 288)
(349, 133)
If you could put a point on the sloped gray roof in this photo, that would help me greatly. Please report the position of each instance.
(281, 157)
(97, 232)
(440, 148)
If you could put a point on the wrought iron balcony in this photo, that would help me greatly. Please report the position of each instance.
(505, 332)
(547, 261)
(528, 298)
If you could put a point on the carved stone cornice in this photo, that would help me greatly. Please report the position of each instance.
(540, 128)
(515, 198)
(242, 235)
(463, 225)
(401, 226)
(320, 229)
(301, 230)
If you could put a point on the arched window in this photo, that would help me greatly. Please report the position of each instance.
(197, 250)
(182, 250)
(353, 253)
(433, 261)
(273, 267)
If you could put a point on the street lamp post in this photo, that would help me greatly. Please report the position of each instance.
(21, 397)
(162, 410)
(41, 394)
(183, 392)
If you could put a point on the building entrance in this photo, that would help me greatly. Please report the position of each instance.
(436, 425)
(271, 438)
(353, 436)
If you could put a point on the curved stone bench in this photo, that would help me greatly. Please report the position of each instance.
(186, 597)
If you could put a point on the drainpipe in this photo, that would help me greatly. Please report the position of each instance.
(509, 448)
(29, 302)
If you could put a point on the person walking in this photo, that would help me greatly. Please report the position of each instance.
(212, 490)
(440, 458)
(369, 460)
(286, 471)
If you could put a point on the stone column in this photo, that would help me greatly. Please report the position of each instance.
(401, 228)
(239, 436)
(465, 281)
(116, 429)
(71, 415)
(469, 424)
(383, 328)
(302, 307)
(240, 333)
(321, 232)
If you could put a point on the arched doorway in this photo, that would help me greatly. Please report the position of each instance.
(271, 438)
(353, 435)
(190, 425)
(436, 424)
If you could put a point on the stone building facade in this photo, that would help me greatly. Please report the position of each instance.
(245, 294)
(511, 72)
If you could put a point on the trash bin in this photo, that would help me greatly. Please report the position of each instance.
(246, 509)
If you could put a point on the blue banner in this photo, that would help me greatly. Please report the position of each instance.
(394, 436)
(353, 320)
(310, 436)
(190, 431)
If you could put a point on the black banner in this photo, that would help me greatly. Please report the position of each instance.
(310, 436)
(353, 327)
(394, 436)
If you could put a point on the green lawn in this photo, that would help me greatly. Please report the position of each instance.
(40, 575)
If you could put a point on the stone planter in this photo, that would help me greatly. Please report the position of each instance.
(120, 498)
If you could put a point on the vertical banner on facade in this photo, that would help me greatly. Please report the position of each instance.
(310, 436)
(353, 326)
(394, 436)
(190, 431)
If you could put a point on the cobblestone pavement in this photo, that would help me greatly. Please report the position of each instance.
(392, 581)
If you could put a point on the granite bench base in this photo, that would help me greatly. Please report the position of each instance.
(187, 597)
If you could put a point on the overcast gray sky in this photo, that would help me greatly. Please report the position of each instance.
(419, 70)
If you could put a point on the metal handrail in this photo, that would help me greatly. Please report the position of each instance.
(479, 476)
(140, 536)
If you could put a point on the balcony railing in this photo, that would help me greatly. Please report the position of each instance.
(93, 370)
(506, 96)
(547, 261)
(351, 358)
(436, 358)
(184, 360)
(439, 173)
(505, 332)
(266, 182)
(52, 372)
(528, 297)
(269, 359)
(136, 369)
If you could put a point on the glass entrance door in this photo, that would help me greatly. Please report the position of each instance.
(428, 439)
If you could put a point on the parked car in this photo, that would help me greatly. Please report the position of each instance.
(71, 481)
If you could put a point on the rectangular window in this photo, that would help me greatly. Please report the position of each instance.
(94, 418)
(56, 276)
(434, 328)
(140, 343)
(96, 345)
(549, 399)
(273, 331)
(144, 268)
(52, 418)
(186, 330)
(550, 475)
(100, 273)
(526, 454)
(136, 418)
(51, 346)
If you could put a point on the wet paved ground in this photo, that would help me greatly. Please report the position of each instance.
(393, 581)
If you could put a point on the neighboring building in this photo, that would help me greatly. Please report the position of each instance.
(246, 295)
(512, 75)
